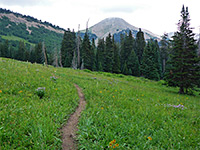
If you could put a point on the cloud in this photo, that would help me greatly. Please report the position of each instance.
(119, 9)
(24, 2)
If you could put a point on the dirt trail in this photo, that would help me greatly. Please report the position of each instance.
(69, 130)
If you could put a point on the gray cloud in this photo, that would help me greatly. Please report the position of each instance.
(24, 2)
(119, 9)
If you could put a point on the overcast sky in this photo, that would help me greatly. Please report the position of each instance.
(157, 16)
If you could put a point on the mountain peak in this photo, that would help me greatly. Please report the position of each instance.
(110, 25)
(115, 25)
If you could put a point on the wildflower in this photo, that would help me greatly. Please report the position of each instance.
(20, 91)
(114, 141)
(138, 100)
(0, 91)
(110, 144)
(117, 145)
(102, 108)
(114, 146)
(113, 96)
(149, 138)
(100, 91)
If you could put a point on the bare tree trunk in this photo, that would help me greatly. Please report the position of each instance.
(60, 60)
(44, 52)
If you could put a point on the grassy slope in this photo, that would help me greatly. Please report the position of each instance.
(130, 110)
(15, 38)
(26, 121)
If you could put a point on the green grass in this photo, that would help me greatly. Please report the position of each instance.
(26, 121)
(136, 112)
(15, 38)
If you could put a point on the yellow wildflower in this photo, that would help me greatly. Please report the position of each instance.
(149, 138)
(100, 91)
(117, 145)
(102, 108)
(110, 144)
(0, 91)
(114, 146)
(113, 96)
(138, 100)
(20, 91)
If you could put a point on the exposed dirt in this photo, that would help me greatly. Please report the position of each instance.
(69, 130)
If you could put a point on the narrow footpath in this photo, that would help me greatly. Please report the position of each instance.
(70, 129)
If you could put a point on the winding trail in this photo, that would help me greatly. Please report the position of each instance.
(69, 130)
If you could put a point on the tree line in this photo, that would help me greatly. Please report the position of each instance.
(132, 56)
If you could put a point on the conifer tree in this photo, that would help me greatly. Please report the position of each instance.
(133, 64)
(127, 47)
(38, 53)
(164, 52)
(149, 66)
(109, 57)
(116, 60)
(184, 70)
(67, 48)
(100, 56)
(140, 45)
(21, 51)
(86, 50)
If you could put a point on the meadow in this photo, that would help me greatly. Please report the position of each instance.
(122, 112)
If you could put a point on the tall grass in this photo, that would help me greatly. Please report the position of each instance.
(122, 112)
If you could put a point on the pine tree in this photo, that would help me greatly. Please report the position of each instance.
(126, 48)
(184, 68)
(140, 45)
(21, 51)
(38, 53)
(100, 59)
(164, 52)
(86, 50)
(109, 54)
(133, 64)
(116, 60)
(67, 48)
(149, 66)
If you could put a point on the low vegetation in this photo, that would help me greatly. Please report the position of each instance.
(122, 112)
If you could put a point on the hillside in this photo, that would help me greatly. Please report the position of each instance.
(123, 112)
(15, 27)
(117, 26)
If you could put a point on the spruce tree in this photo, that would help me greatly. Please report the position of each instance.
(87, 54)
(184, 70)
(100, 55)
(126, 48)
(164, 52)
(109, 54)
(21, 51)
(116, 60)
(149, 66)
(140, 45)
(133, 64)
(67, 48)
(38, 53)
